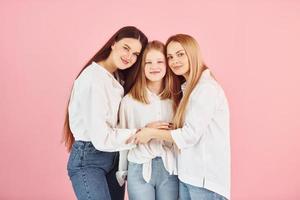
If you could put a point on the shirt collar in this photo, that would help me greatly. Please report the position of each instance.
(204, 76)
(115, 81)
(152, 95)
(183, 86)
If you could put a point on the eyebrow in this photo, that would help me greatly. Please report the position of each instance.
(177, 52)
(130, 48)
(158, 59)
(127, 46)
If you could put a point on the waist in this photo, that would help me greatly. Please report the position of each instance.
(88, 146)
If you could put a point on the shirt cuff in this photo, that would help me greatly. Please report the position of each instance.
(177, 137)
(123, 137)
(121, 177)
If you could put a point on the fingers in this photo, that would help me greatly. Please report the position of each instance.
(159, 125)
(164, 127)
(131, 139)
(163, 124)
(136, 141)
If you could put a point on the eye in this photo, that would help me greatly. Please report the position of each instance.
(160, 62)
(180, 54)
(148, 62)
(126, 48)
(169, 57)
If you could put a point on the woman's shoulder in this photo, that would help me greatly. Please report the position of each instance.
(94, 71)
(92, 74)
(206, 85)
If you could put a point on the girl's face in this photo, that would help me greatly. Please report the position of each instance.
(125, 52)
(155, 65)
(177, 59)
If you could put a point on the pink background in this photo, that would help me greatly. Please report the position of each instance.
(251, 46)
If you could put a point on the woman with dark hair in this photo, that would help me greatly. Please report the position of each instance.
(90, 126)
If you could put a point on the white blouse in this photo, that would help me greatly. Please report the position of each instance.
(134, 114)
(204, 140)
(93, 110)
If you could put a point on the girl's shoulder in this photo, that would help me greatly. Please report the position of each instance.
(127, 99)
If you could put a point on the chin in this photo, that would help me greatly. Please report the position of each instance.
(155, 79)
(122, 66)
(178, 73)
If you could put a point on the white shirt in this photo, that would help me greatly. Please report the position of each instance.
(93, 110)
(134, 114)
(204, 140)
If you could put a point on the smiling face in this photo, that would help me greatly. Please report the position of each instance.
(155, 65)
(125, 52)
(177, 59)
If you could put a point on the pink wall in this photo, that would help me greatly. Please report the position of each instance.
(252, 47)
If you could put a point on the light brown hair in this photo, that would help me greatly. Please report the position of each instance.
(170, 86)
(196, 65)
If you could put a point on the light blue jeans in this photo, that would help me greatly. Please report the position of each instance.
(162, 186)
(190, 192)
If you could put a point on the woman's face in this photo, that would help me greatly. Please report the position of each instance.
(177, 59)
(125, 52)
(155, 65)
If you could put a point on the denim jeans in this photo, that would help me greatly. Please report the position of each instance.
(92, 173)
(190, 192)
(162, 185)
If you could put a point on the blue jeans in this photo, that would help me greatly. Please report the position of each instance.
(190, 192)
(162, 185)
(92, 173)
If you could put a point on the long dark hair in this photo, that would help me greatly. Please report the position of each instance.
(128, 75)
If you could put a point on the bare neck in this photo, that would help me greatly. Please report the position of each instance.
(155, 86)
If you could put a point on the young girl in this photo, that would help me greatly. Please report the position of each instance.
(93, 114)
(152, 167)
(202, 126)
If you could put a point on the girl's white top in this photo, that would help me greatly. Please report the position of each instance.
(93, 110)
(134, 114)
(204, 140)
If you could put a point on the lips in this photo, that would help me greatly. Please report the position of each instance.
(177, 66)
(125, 62)
(155, 72)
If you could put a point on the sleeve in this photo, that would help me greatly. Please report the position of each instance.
(200, 111)
(103, 136)
(122, 172)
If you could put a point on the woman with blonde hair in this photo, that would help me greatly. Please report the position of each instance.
(152, 170)
(201, 125)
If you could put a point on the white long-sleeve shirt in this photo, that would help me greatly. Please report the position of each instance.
(204, 140)
(134, 114)
(93, 110)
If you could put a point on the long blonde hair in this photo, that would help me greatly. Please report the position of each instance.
(196, 67)
(171, 88)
